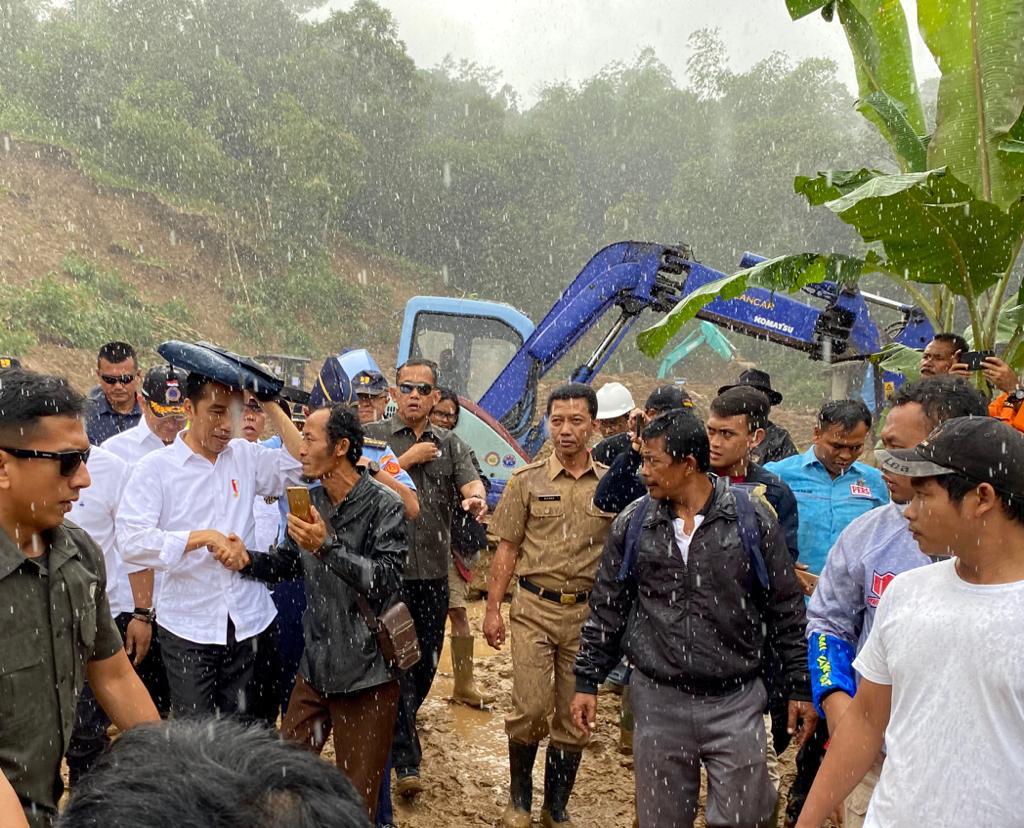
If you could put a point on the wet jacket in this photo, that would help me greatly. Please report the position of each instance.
(365, 552)
(776, 445)
(700, 625)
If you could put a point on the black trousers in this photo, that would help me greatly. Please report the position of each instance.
(808, 760)
(428, 604)
(89, 736)
(209, 679)
(265, 687)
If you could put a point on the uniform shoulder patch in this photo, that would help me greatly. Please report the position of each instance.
(536, 464)
(373, 442)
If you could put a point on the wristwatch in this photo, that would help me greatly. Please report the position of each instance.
(1016, 396)
(373, 467)
(146, 614)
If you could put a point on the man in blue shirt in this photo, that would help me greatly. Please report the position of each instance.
(832, 489)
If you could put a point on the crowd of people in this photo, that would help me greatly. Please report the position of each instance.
(203, 566)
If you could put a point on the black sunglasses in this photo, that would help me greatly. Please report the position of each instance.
(124, 379)
(69, 460)
(423, 388)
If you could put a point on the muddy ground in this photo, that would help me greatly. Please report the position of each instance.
(465, 758)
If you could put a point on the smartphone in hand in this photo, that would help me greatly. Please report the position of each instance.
(298, 503)
(974, 360)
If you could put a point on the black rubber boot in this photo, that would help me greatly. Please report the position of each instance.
(560, 769)
(520, 764)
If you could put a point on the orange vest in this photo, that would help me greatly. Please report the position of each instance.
(1002, 410)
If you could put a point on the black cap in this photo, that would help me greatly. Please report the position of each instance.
(667, 398)
(761, 380)
(163, 389)
(983, 449)
(9, 362)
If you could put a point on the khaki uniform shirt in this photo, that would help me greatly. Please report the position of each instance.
(551, 517)
(54, 617)
(437, 485)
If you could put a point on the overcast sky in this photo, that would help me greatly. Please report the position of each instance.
(533, 42)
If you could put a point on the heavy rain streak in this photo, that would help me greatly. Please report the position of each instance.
(594, 414)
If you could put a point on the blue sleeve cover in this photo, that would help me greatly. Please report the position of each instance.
(830, 660)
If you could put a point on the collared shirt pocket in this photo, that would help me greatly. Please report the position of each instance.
(21, 671)
(547, 506)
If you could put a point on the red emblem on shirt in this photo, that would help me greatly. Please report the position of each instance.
(879, 583)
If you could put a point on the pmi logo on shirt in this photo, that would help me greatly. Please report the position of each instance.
(879, 583)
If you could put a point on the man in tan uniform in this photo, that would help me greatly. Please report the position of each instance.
(552, 535)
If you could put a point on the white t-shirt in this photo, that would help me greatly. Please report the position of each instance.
(955, 742)
(682, 539)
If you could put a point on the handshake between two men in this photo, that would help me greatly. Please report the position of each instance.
(230, 549)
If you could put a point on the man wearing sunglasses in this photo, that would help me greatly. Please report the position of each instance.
(57, 628)
(440, 465)
(114, 402)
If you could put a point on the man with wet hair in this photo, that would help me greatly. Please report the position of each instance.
(940, 356)
(214, 773)
(869, 553)
(692, 581)
(941, 680)
(186, 501)
(57, 628)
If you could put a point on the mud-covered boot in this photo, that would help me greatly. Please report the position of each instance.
(520, 800)
(560, 769)
(466, 691)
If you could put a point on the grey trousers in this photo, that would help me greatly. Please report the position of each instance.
(676, 733)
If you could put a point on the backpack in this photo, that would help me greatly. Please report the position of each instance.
(746, 522)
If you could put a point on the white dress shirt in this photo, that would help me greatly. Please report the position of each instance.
(173, 492)
(134, 444)
(95, 511)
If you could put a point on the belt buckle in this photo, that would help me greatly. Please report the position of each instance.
(567, 598)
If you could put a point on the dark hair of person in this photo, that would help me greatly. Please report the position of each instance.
(27, 396)
(684, 435)
(343, 423)
(115, 352)
(954, 339)
(211, 773)
(575, 391)
(447, 395)
(418, 362)
(195, 385)
(847, 414)
(743, 400)
(958, 485)
(943, 398)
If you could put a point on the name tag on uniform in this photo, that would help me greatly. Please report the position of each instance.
(860, 489)
(548, 498)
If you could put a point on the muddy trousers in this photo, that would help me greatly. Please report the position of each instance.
(677, 732)
(427, 601)
(545, 640)
(363, 723)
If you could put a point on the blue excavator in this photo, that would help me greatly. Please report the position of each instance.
(493, 356)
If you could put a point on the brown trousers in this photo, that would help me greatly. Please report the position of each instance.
(363, 724)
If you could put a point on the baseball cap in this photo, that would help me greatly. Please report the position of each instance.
(363, 371)
(613, 400)
(162, 389)
(983, 449)
(761, 380)
(666, 398)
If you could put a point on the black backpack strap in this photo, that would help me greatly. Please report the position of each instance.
(631, 544)
(750, 533)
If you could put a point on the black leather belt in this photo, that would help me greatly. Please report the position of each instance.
(567, 598)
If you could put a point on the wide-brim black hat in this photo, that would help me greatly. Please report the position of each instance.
(761, 380)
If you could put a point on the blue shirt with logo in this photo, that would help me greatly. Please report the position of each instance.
(826, 506)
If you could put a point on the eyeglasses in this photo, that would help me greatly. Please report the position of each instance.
(253, 407)
(69, 460)
(421, 388)
(123, 379)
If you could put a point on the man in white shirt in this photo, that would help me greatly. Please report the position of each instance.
(163, 416)
(184, 500)
(941, 677)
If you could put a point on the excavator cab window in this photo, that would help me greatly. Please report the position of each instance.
(470, 351)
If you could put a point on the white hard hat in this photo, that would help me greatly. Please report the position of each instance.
(613, 400)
